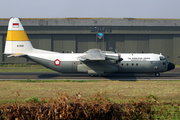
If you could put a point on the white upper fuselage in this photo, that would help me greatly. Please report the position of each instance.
(74, 56)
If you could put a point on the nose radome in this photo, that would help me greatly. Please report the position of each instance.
(171, 66)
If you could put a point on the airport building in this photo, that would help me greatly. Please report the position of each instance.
(126, 35)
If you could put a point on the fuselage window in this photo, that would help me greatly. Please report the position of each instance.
(164, 63)
(122, 64)
(132, 64)
(127, 64)
(136, 64)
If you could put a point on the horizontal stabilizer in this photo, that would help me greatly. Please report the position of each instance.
(17, 55)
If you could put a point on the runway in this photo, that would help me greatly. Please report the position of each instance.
(172, 75)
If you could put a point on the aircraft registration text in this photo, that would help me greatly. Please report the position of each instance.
(138, 59)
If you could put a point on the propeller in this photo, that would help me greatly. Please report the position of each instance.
(115, 51)
(119, 56)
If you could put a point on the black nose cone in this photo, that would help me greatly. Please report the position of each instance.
(171, 66)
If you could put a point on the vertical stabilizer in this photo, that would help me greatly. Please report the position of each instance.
(17, 41)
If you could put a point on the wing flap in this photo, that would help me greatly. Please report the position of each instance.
(97, 55)
(92, 55)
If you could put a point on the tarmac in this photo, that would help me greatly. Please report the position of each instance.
(170, 75)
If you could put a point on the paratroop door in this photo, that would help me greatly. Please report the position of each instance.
(74, 66)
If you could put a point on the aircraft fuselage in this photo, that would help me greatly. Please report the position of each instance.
(131, 63)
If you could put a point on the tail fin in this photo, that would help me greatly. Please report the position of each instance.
(17, 41)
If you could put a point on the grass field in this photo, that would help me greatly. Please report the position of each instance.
(167, 92)
(116, 90)
(30, 67)
(25, 69)
(90, 100)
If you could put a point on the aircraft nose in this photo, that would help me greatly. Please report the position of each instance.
(171, 66)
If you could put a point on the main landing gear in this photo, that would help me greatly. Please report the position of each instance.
(157, 74)
(95, 75)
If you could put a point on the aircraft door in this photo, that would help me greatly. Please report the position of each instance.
(74, 66)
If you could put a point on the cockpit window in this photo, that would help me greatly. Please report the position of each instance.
(162, 58)
(167, 61)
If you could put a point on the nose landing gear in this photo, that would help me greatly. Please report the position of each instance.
(157, 74)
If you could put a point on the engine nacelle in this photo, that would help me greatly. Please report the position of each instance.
(117, 58)
(109, 57)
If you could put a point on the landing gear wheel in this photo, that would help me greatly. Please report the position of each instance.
(91, 75)
(157, 74)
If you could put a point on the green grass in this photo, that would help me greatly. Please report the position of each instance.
(177, 65)
(33, 99)
(165, 93)
(12, 101)
(31, 65)
(18, 69)
(164, 90)
(9, 101)
(23, 67)
(46, 81)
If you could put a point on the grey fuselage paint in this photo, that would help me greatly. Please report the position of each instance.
(121, 67)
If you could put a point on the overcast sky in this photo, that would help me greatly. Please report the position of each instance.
(90, 8)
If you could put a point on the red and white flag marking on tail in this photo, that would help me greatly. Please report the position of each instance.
(15, 25)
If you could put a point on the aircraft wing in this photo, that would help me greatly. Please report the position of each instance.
(92, 55)
(98, 55)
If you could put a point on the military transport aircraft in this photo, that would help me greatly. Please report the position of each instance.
(94, 61)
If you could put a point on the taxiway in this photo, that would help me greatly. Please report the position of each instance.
(172, 75)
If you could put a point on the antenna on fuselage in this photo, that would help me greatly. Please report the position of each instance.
(115, 51)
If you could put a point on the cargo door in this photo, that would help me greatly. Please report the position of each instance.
(74, 66)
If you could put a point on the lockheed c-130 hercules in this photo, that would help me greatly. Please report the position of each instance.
(94, 61)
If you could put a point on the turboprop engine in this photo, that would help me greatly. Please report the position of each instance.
(111, 58)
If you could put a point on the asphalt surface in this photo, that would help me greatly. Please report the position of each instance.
(171, 75)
